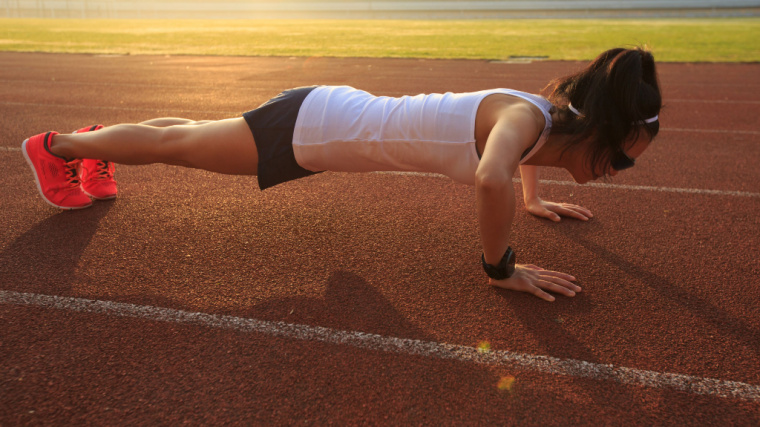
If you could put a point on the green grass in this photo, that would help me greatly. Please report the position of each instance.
(687, 40)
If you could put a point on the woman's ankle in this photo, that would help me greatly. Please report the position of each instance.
(58, 147)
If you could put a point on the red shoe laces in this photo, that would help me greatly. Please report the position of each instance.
(103, 170)
(72, 172)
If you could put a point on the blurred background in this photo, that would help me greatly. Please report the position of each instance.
(387, 9)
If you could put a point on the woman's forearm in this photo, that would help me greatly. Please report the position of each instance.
(496, 211)
(529, 176)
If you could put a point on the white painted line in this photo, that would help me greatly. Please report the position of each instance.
(259, 89)
(465, 354)
(142, 85)
(237, 113)
(605, 185)
(648, 188)
(10, 148)
(97, 107)
(713, 101)
(728, 131)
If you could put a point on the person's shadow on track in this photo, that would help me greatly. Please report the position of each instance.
(546, 323)
(44, 259)
(669, 291)
(349, 303)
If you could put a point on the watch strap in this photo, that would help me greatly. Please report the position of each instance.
(504, 269)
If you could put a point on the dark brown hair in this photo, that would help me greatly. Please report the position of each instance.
(615, 93)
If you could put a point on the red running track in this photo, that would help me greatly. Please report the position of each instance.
(668, 265)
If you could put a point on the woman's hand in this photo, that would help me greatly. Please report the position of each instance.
(553, 210)
(536, 281)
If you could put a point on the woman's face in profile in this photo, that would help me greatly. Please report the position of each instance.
(579, 167)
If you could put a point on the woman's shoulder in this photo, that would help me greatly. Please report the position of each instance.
(512, 112)
(500, 106)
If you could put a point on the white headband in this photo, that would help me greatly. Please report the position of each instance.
(578, 113)
(652, 119)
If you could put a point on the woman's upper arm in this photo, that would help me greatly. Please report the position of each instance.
(513, 133)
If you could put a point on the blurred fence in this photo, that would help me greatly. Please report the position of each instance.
(398, 9)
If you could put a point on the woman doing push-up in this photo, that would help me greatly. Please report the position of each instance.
(594, 123)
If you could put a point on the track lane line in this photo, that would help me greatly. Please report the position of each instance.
(729, 131)
(649, 188)
(269, 90)
(604, 185)
(237, 113)
(96, 107)
(528, 362)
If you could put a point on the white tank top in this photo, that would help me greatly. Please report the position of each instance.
(343, 129)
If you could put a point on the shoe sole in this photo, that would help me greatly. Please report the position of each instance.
(99, 198)
(37, 181)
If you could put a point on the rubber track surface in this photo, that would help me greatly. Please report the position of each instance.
(670, 278)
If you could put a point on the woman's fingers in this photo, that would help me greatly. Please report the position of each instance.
(539, 282)
(577, 208)
(573, 211)
(544, 213)
(553, 211)
(556, 288)
(562, 280)
(562, 276)
(553, 276)
(554, 281)
(543, 295)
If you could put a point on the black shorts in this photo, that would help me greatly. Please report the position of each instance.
(272, 126)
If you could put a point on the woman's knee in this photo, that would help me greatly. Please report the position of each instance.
(224, 146)
(175, 145)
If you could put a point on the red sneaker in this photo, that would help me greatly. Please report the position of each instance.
(57, 178)
(97, 175)
(97, 179)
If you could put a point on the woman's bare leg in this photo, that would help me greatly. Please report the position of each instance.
(224, 146)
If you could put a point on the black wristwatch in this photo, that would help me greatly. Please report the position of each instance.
(504, 270)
